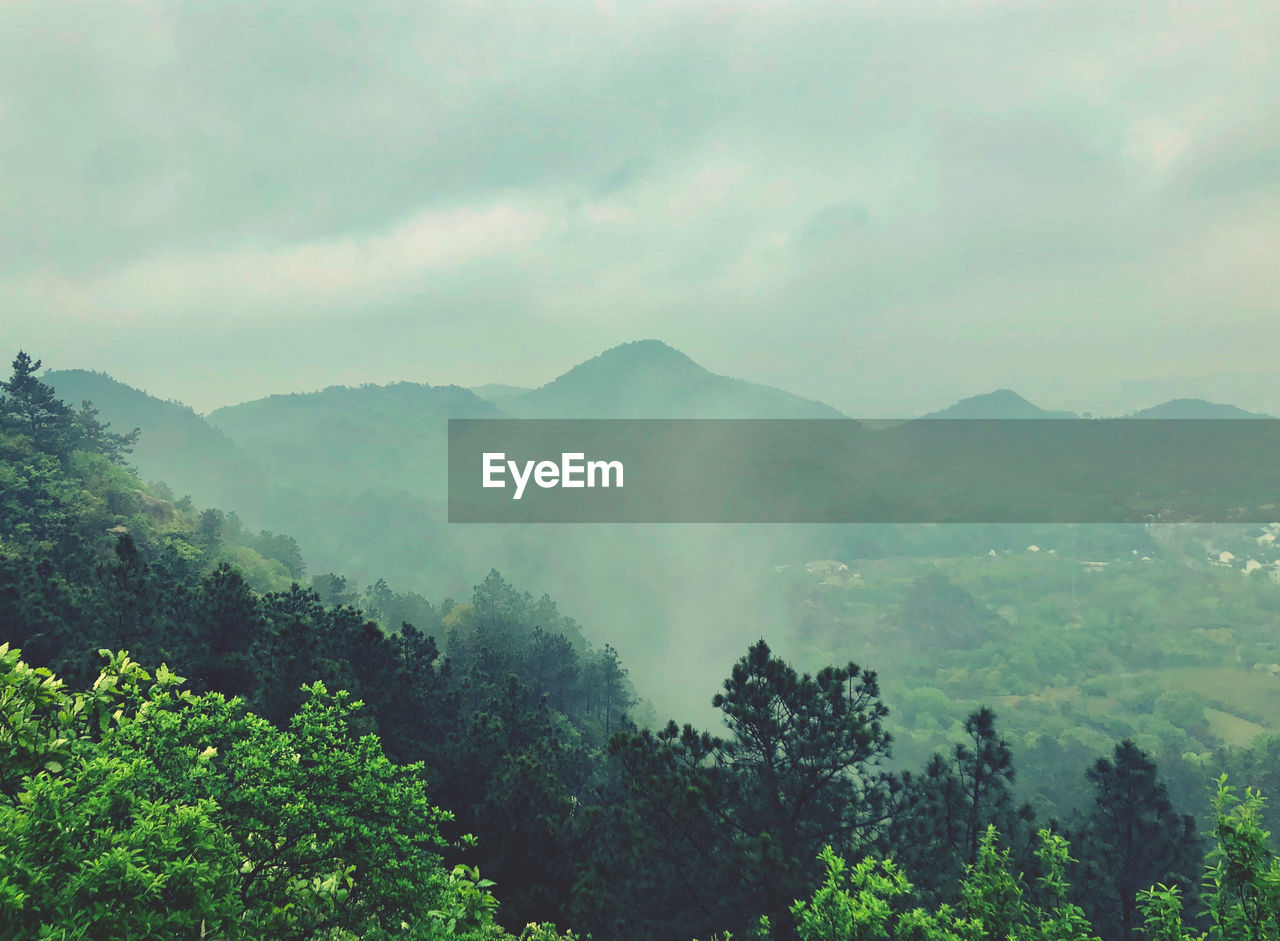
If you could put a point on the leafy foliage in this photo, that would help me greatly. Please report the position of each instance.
(145, 811)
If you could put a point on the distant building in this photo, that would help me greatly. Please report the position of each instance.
(825, 567)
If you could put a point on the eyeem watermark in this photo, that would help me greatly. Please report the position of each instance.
(842, 471)
(573, 470)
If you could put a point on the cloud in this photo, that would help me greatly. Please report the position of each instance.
(289, 281)
(781, 189)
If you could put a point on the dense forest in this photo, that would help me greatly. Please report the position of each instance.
(197, 739)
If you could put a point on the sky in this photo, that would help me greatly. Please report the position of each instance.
(883, 205)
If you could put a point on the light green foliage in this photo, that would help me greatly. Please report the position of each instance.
(328, 829)
(1242, 883)
(1161, 907)
(92, 854)
(34, 712)
(545, 932)
(861, 903)
(1064, 920)
(1174, 653)
(1243, 879)
(858, 904)
(92, 844)
(137, 810)
(469, 906)
(45, 727)
(991, 893)
(1242, 898)
(261, 573)
(853, 904)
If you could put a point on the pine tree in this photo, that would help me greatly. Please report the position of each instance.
(29, 407)
(1133, 838)
(947, 810)
(94, 436)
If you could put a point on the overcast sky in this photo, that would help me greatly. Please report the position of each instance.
(882, 205)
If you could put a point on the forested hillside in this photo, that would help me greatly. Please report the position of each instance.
(200, 741)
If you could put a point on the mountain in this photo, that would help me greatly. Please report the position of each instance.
(1194, 408)
(1003, 403)
(648, 379)
(177, 446)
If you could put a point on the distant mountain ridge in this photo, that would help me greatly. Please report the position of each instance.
(1003, 403)
(392, 437)
(1194, 408)
(649, 379)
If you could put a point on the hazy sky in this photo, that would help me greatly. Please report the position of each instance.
(883, 205)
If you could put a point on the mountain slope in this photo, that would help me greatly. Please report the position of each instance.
(1003, 403)
(387, 438)
(648, 379)
(177, 446)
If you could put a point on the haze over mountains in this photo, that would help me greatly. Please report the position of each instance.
(357, 475)
(642, 379)
(267, 458)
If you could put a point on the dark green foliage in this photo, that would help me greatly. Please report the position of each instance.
(941, 614)
(714, 832)
(134, 810)
(807, 749)
(290, 812)
(1131, 838)
(513, 736)
(95, 437)
(30, 408)
(947, 809)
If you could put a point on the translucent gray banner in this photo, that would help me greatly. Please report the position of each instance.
(846, 471)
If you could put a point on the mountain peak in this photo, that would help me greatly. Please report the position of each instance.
(649, 379)
(648, 347)
(652, 353)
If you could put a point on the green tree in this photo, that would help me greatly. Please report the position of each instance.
(94, 435)
(29, 407)
(866, 902)
(1242, 883)
(136, 810)
(95, 846)
(1131, 838)
(714, 832)
(947, 810)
